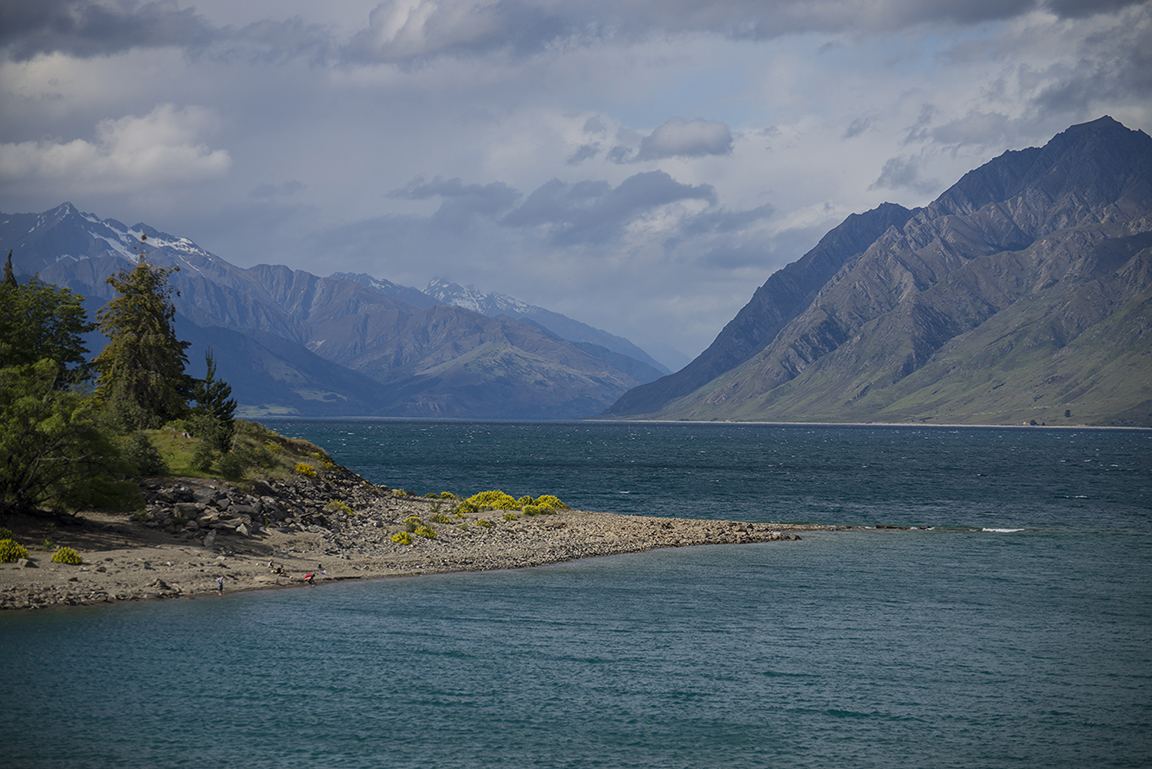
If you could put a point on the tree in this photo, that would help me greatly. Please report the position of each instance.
(53, 450)
(39, 321)
(213, 414)
(142, 380)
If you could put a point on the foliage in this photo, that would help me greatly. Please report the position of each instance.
(338, 505)
(53, 449)
(38, 321)
(493, 500)
(411, 522)
(487, 524)
(11, 550)
(403, 538)
(550, 502)
(144, 456)
(212, 417)
(447, 495)
(441, 518)
(510, 517)
(305, 469)
(6, 533)
(142, 379)
(426, 531)
(67, 555)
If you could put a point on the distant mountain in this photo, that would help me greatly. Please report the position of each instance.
(1022, 294)
(290, 342)
(591, 339)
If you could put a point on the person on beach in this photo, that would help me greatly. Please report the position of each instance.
(310, 579)
(220, 585)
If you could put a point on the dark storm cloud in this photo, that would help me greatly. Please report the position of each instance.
(596, 212)
(83, 29)
(406, 32)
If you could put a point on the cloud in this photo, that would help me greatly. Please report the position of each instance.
(596, 212)
(904, 172)
(461, 203)
(84, 29)
(162, 147)
(681, 138)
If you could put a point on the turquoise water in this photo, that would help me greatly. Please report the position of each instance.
(941, 648)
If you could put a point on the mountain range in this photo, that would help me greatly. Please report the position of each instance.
(1021, 295)
(293, 343)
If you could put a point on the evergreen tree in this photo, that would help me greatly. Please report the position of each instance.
(213, 414)
(142, 380)
(40, 321)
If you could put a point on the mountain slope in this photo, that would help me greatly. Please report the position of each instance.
(291, 342)
(1018, 295)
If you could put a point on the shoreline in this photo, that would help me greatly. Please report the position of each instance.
(178, 549)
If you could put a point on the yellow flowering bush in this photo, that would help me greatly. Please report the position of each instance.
(305, 469)
(510, 517)
(403, 538)
(550, 502)
(67, 555)
(484, 522)
(411, 522)
(426, 531)
(494, 500)
(11, 550)
(337, 505)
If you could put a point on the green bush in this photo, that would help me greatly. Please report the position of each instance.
(6, 533)
(510, 517)
(411, 522)
(426, 531)
(337, 505)
(232, 466)
(67, 555)
(484, 522)
(202, 457)
(11, 550)
(305, 469)
(140, 452)
(440, 518)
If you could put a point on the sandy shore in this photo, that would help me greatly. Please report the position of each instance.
(126, 559)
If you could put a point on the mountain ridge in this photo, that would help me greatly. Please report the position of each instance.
(1061, 228)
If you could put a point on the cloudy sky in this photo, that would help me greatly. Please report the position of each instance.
(640, 165)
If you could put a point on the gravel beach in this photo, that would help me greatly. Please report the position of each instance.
(335, 527)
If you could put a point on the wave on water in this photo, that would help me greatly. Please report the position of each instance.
(1002, 531)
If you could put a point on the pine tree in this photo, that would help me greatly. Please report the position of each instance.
(213, 414)
(142, 380)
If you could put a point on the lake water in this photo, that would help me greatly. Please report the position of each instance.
(1015, 631)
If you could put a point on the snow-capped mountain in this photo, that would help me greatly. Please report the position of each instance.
(290, 342)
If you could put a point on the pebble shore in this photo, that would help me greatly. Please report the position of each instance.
(274, 533)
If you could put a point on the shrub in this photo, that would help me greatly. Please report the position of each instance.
(305, 469)
(447, 495)
(467, 506)
(484, 522)
(403, 538)
(338, 505)
(202, 457)
(441, 518)
(6, 533)
(11, 550)
(140, 452)
(411, 522)
(523, 501)
(510, 517)
(551, 503)
(426, 531)
(493, 500)
(532, 510)
(67, 555)
(232, 466)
